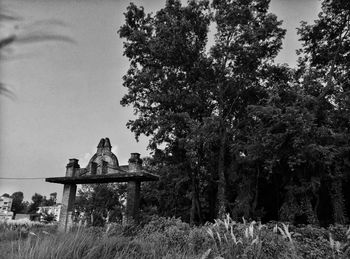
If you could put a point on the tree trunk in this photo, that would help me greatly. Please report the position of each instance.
(256, 196)
(221, 197)
(197, 201)
(337, 198)
(309, 211)
(212, 195)
(196, 209)
(193, 204)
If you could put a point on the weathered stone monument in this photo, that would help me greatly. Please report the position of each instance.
(103, 167)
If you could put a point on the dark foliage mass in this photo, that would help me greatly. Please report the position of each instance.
(231, 130)
(100, 204)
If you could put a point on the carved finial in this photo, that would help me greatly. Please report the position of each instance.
(101, 144)
(107, 144)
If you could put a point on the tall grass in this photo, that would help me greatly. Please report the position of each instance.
(85, 244)
(172, 238)
(249, 240)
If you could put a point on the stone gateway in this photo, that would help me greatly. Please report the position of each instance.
(103, 167)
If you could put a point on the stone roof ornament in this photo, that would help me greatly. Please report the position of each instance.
(107, 144)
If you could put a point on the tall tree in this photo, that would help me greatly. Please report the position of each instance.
(190, 99)
(299, 134)
(248, 38)
(168, 77)
(324, 64)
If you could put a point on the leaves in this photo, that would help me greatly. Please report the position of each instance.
(244, 134)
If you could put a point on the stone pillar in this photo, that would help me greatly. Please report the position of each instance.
(133, 202)
(68, 197)
(133, 190)
(67, 208)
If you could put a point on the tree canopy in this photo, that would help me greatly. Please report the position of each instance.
(231, 130)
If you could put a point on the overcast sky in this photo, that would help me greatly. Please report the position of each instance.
(67, 95)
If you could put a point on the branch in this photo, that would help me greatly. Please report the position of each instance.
(330, 74)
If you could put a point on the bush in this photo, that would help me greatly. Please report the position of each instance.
(167, 232)
(48, 217)
(117, 229)
(198, 240)
(160, 224)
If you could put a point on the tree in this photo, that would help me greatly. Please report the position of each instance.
(168, 73)
(247, 40)
(299, 133)
(37, 200)
(242, 134)
(51, 201)
(191, 99)
(48, 217)
(278, 137)
(323, 64)
(18, 206)
(101, 203)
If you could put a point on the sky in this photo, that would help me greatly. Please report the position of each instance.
(66, 95)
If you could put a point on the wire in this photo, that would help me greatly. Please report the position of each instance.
(22, 178)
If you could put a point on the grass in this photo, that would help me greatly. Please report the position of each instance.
(172, 238)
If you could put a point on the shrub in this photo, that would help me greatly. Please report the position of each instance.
(166, 232)
(312, 242)
(160, 224)
(172, 238)
(199, 240)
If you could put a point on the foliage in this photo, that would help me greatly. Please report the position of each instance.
(324, 60)
(190, 97)
(241, 134)
(100, 203)
(48, 217)
(18, 205)
(298, 136)
(37, 200)
(168, 197)
(167, 83)
(172, 238)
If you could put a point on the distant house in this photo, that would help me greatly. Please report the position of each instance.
(54, 210)
(5, 207)
(22, 216)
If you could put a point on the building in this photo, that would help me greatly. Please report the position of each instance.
(5, 207)
(5, 203)
(54, 210)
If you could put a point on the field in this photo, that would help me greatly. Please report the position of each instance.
(172, 238)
